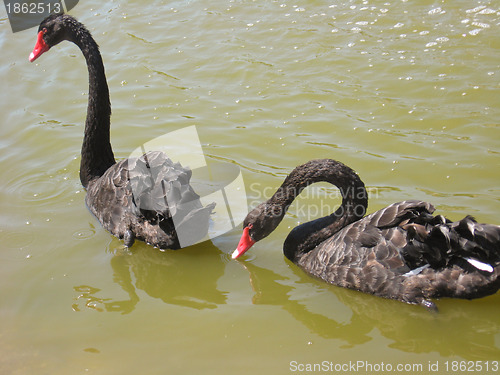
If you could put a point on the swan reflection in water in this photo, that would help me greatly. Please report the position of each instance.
(461, 328)
(167, 276)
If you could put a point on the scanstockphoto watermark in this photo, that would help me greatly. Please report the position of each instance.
(171, 173)
(316, 201)
(427, 367)
(24, 15)
(359, 367)
(261, 192)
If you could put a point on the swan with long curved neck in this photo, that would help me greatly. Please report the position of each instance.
(129, 198)
(400, 252)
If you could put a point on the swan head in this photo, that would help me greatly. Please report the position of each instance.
(258, 224)
(52, 30)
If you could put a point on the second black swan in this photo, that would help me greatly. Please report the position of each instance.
(147, 198)
(401, 252)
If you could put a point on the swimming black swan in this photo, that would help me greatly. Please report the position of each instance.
(401, 252)
(136, 198)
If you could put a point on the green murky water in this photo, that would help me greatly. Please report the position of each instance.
(407, 94)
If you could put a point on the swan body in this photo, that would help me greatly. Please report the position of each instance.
(147, 198)
(401, 252)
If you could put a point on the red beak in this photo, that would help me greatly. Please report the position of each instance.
(245, 243)
(40, 47)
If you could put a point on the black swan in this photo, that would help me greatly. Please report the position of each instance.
(401, 252)
(145, 198)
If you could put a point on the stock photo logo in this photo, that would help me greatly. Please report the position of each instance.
(205, 200)
(24, 15)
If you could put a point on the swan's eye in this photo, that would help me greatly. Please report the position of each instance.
(44, 30)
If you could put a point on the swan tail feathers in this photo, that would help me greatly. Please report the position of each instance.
(463, 258)
(441, 243)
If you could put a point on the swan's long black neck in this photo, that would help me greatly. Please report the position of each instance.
(97, 154)
(307, 236)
